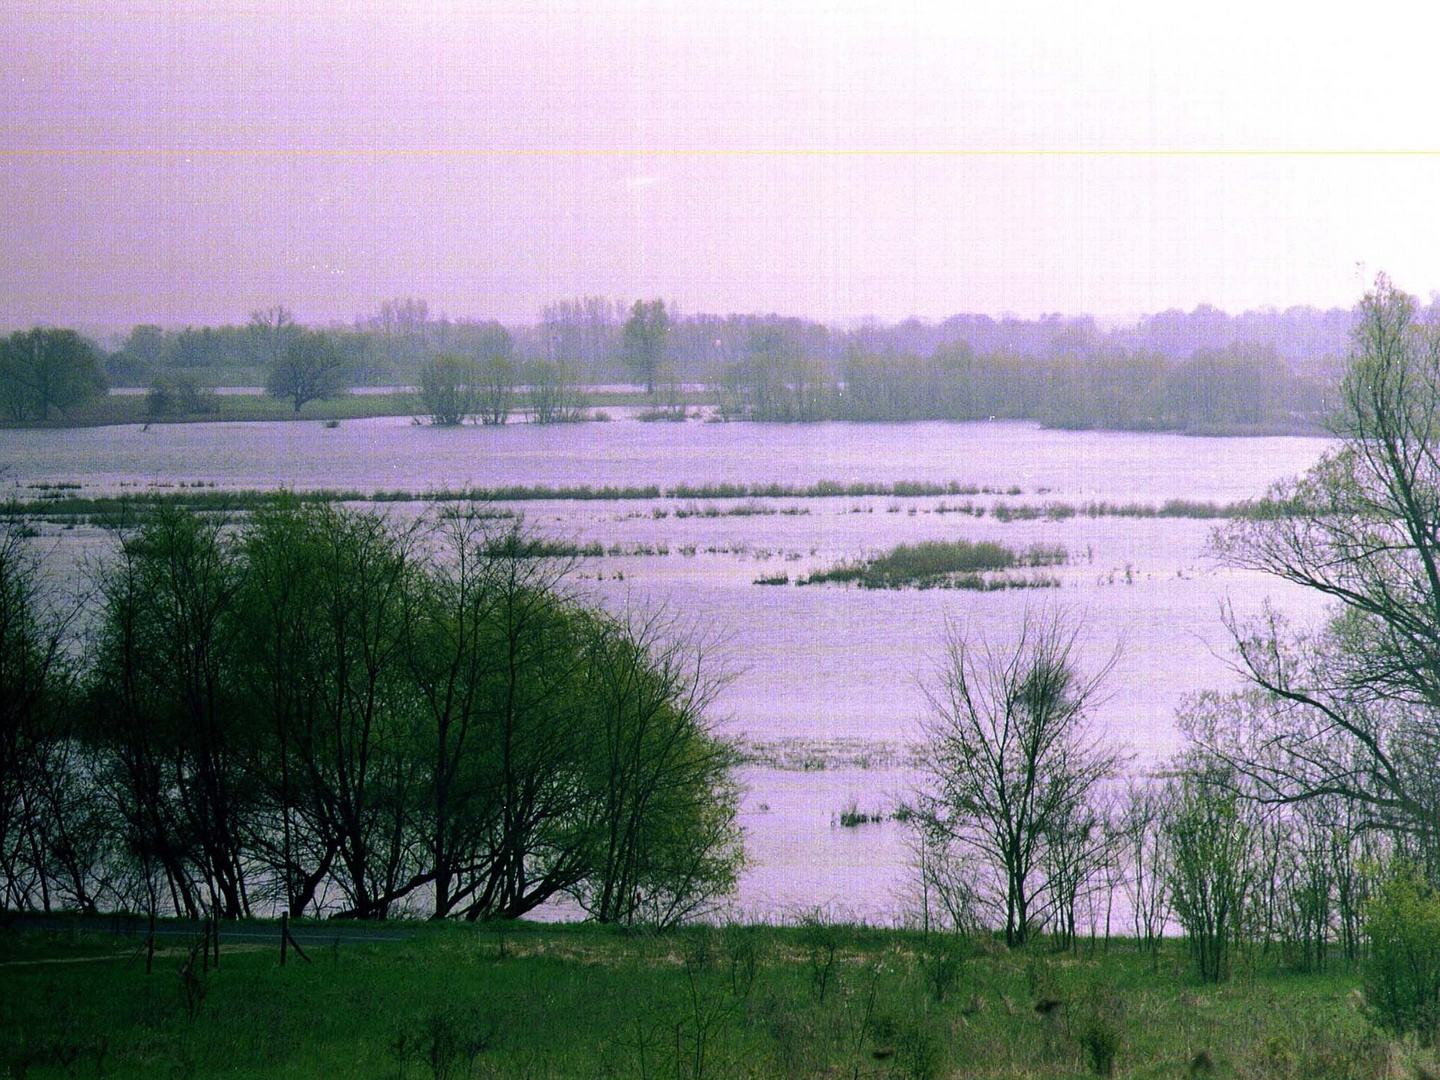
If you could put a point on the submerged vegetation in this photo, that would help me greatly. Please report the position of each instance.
(52, 499)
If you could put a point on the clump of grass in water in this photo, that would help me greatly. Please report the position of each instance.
(959, 564)
(853, 816)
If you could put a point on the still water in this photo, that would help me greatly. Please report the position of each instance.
(826, 682)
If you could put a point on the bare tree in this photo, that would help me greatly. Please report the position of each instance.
(1147, 806)
(1010, 758)
(1352, 710)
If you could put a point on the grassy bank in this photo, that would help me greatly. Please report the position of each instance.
(814, 1000)
(133, 408)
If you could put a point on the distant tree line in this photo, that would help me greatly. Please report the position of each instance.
(1197, 371)
(1228, 391)
(319, 711)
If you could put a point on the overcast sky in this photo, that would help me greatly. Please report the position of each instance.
(189, 162)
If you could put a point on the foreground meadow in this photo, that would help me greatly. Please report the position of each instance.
(530, 1000)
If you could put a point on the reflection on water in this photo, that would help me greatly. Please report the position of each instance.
(815, 665)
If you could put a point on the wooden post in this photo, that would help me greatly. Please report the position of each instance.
(150, 943)
(284, 935)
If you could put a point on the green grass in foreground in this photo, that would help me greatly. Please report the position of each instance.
(578, 1001)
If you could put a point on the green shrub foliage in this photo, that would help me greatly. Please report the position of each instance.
(1402, 973)
(313, 709)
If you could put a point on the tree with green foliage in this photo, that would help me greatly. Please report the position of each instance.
(47, 370)
(482, 627)
(163, 712)
(179, 395)
(552, 396)
(644, 341)
(271, 330)
(318, 709)
(308, 370)
(561, 749)
(1211, 866)
(46, 839)
(332, 589)
(496, 397)
(450, 389)
(668, 846)
(494, 352)
(277, 653)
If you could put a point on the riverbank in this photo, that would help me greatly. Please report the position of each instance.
(134, 408)
(808, 1000)
(598, 404)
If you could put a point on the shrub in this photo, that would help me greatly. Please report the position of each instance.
(1402, 974)
(179, 395)
(1100, 1041)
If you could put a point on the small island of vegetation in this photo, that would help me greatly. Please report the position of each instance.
(946, 564)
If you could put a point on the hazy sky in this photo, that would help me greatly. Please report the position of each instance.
(186, 162)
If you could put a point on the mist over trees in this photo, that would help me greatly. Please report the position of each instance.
(1201, 371)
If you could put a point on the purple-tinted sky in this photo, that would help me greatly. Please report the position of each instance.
(188, 162)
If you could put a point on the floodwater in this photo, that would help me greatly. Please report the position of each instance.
(825, 682)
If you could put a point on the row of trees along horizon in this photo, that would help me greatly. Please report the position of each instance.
(1202, 371)
(317, 710)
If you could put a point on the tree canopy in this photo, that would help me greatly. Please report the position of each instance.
(47, 370)
(307, 370)
(645, 340)
(318, 710)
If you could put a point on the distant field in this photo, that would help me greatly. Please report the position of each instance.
(130, 408)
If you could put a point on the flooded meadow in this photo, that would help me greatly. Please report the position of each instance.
(824, 683)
